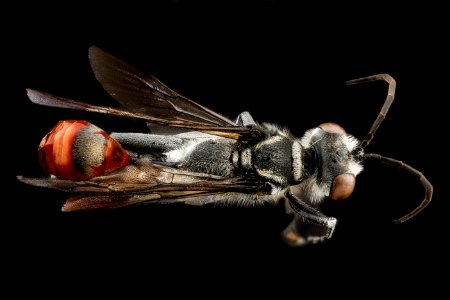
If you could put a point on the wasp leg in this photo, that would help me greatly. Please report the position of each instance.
(309, 225)
(301, 233)
(244, 119)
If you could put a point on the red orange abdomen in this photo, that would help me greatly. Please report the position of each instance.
(79, 150)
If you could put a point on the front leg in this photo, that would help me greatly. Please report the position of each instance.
(309, 224)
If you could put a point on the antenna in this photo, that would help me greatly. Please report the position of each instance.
(387, 160)
(386, 105)
(408, 169)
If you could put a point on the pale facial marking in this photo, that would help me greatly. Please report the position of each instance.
(318, 191)
(354, 168)
(350, 142)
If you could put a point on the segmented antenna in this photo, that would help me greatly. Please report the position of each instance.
(387, 160)
(408, 169)
(386, 105)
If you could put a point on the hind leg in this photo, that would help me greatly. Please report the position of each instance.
(309, 225)
(301, 232)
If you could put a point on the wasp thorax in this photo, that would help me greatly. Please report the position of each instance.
(78, 150)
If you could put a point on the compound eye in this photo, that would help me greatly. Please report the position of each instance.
(342, 187)
(332, 128)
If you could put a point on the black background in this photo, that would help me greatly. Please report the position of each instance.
(284, 64)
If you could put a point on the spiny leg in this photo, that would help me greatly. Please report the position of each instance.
(301, 233)
(309, 224)
(386, 105)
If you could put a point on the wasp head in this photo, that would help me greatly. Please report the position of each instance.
(332, 160)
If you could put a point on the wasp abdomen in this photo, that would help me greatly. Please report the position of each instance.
(79, 150)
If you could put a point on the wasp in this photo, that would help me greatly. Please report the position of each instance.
(193, 155)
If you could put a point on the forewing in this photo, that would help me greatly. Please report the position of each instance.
(144, 93)
(233, 132)
(143, 97)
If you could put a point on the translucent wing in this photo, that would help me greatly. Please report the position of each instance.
(233, 132)
(143, 97)
(145, 182)
(142, 93)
